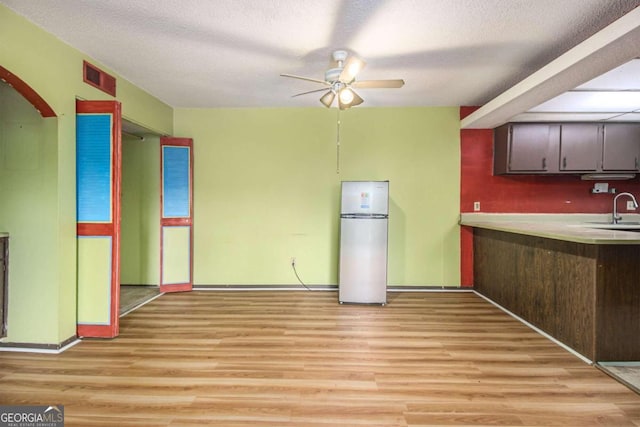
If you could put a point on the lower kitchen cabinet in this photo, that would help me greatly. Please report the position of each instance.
(584, 295)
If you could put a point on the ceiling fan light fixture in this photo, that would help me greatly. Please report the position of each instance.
(357, 100)
(327, 98)
(346, 96)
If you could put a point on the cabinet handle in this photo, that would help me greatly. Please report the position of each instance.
(564, 163)
(544, 163)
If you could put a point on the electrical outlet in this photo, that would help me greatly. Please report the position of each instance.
(630, 205)
(476, 206)
(293, 261)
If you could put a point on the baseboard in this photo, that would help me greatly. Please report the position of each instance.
(40, 348)
(264, 287)
(405, 288)
(538, 330)
(390, 288)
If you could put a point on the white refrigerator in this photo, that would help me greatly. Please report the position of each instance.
(364, 218)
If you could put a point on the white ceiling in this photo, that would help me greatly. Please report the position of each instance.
(230, 53)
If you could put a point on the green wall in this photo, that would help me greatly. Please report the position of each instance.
(47, 312)
(28, 212)
(140, 242)
(267, 189)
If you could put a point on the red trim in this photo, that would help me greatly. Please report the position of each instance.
(180, 287)
(107, 229)
(101, 107)
(97, 331)
(169, 140)
(27, 92)
(168, 222)
(90, 229)
(176, 221)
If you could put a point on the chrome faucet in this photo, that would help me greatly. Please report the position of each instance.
(616, 217)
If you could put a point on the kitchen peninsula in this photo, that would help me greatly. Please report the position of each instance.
(577, 283)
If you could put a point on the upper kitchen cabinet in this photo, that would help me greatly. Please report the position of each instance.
(525, 148)
(621, 147)
(566, 148)
(579, 147)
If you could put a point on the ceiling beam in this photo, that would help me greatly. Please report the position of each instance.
(609, 48)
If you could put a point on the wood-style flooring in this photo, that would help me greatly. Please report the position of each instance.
(300, 359)
(132, 296)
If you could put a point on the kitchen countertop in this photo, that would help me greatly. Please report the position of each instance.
(567, 227)
(4, 234)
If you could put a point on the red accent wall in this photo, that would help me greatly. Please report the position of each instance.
(519, 194)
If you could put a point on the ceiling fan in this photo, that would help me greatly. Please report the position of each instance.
(341, 81)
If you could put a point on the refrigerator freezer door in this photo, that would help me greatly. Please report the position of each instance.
(363, 261)
(365, 197)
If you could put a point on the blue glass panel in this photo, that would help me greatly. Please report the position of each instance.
(175, 183)
(93, 167)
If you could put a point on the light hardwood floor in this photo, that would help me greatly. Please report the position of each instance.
(301, 359)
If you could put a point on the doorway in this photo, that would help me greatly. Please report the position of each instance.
(140, 218)
(99, 152)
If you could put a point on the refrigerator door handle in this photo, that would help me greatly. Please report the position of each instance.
(364, 216)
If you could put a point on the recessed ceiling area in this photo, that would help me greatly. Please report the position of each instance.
(612, 96)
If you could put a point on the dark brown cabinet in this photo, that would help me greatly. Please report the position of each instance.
(621, 147)
(524, 147)
(4, 259)
(566, 148)
(579, 147)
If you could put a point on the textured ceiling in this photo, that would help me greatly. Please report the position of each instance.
(230, 53)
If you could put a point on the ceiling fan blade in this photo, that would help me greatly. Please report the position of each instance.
(327, 98)
(378, 84)
(306, 78)
(351, 68)
(311, 91)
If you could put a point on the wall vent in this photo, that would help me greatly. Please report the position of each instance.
(97, 78)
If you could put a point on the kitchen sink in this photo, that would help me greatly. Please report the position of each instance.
(622, 226)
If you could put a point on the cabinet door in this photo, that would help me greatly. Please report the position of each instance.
(579, 147)
(528, 147)
(621, 147)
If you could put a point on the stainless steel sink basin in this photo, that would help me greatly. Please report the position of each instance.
(624, 226)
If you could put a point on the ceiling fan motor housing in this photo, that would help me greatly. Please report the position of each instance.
(332, 74)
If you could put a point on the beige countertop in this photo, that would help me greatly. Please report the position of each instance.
(580, 228)
(4, 234)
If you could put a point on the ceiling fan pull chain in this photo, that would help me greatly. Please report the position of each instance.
(338, 145)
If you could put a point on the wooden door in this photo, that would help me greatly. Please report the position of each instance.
(98, 181)
(176, 216)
